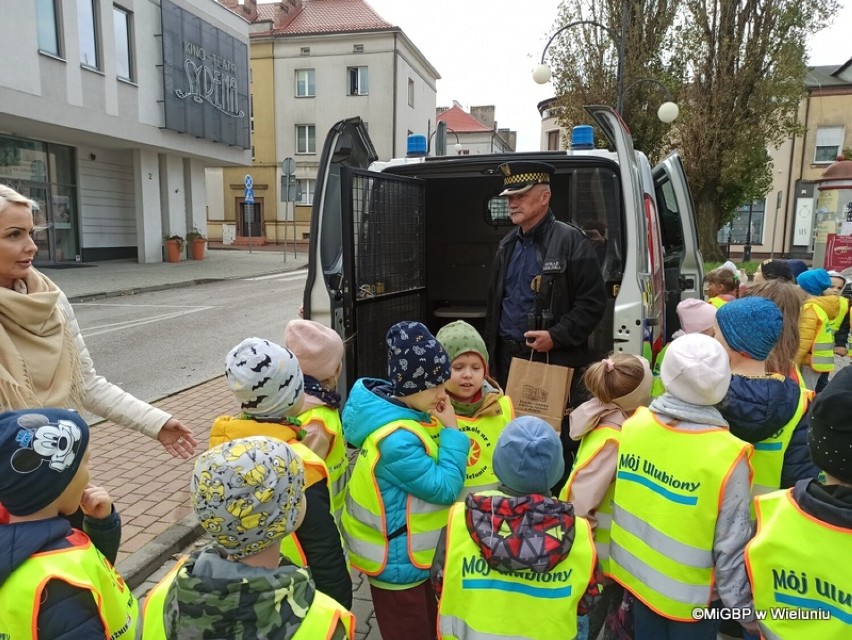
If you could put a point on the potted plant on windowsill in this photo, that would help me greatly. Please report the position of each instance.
(174, 246)
(197, 242)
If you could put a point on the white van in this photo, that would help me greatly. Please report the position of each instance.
(415, 238)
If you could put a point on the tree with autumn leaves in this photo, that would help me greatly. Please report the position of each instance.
(736, 68)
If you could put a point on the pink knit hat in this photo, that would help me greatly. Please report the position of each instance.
(318, 348)
(695, 315)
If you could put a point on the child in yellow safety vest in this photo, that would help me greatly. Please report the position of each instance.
(482, 410)
(764, 408)
(410, 469)
(516, 562)
(619, 385)
(722, 284)
(56, 581)
(247, 493)
(267, 381)
(798, 562)
(695, 316)
(319, 350)
(681, 504)
(817, 326)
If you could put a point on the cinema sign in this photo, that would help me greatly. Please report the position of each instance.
(205, 79)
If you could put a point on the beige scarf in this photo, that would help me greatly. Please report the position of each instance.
(39, 363)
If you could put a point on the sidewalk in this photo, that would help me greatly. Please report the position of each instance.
(149, 487)
(124, 277)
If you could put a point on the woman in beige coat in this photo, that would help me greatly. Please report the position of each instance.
(43, 359)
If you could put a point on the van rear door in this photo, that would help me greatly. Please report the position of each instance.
(684, 265)
(366, 267)
(638, 306)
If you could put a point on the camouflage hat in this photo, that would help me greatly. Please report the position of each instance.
(248, 493)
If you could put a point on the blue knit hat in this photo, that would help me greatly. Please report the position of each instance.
(528, 456)
(814, 281)
(751, 326)
(416, 360)
(40, 452)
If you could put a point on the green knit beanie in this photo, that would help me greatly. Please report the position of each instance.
(459, 337)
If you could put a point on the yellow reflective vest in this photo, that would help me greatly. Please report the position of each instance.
(590, 447)
(364, 522)
(717, 302)
(320, 621)
(226, 429)
(801, 565)
(478, 602)
(80, 565)
(668, 492)
(483, 433)
(822, 351)
(336, 460)
(768, 458)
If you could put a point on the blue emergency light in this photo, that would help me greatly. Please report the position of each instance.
(583, 137)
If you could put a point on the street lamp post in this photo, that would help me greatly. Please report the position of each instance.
(441, 140)
(667, 112)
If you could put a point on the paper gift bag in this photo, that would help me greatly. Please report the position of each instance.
(539, 389)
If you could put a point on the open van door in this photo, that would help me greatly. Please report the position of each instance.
(638, 315)
(367, 267)
(684, 265)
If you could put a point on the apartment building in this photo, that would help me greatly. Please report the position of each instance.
(109, 113)
(313, 63)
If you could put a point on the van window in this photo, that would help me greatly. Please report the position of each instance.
(672, 229)
(498, 211)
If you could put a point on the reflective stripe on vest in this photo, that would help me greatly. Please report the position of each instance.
(717, 302)
(667, 500)
(81, 566)
(822, 352)
(363, 520)
(480, 603)
(838, 319)
(483, 433)
(796, 562)
(320, 622)
(590, 447)
(768, 458)
(336, 460)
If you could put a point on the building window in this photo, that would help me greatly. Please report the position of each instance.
(306, 191)
(828, 143)
(306, 139)
(553, 140)
(123, 43)
(48, 26)
(306, 51)
(358, 48)
(737, 230)
(357, 77)
(87, 25)
(410, 92)
(305, 83)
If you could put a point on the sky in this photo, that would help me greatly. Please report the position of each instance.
(485, 51)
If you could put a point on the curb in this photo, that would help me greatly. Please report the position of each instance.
(131, 291)
(136, 568)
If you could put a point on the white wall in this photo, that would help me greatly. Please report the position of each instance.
(107, 197)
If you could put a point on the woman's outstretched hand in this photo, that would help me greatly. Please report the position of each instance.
(177, 439)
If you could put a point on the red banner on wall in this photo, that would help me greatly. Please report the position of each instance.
(838, 252)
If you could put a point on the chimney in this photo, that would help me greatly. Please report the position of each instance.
(485, 115)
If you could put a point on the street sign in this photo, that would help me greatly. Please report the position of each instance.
(249, 196)
(249, 182)
(288, 165)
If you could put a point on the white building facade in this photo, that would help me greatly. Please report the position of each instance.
(108, 120)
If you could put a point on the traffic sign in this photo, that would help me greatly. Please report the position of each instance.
(249, 182)
(249, 196)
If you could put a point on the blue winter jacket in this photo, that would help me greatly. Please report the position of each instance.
(404, 467)
(757, 408)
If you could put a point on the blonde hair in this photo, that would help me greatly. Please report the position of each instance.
(614, 377)
(9, 196)
(789, 297)
(726, 279)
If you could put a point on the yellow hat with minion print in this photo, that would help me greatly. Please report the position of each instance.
(248, 493)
